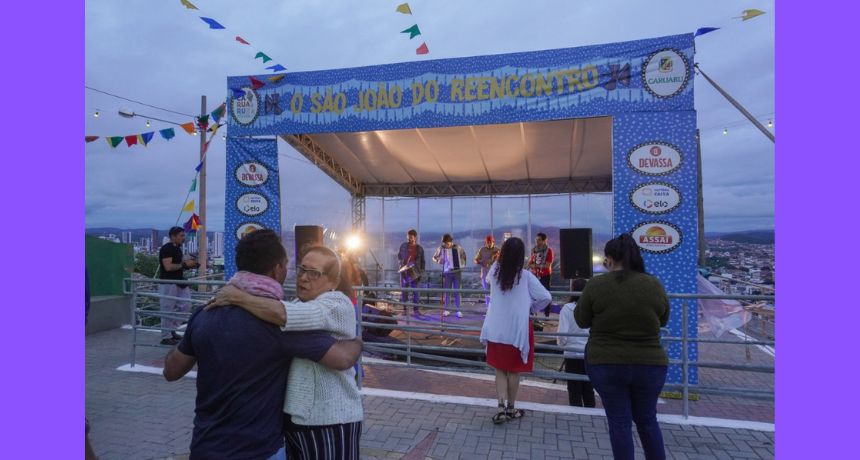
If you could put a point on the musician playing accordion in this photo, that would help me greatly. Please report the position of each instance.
(411, 257)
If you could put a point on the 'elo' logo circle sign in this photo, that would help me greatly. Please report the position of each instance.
(656, 198)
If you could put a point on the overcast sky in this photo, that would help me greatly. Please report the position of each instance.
(160, 53)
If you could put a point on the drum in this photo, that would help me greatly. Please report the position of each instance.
(410, 271)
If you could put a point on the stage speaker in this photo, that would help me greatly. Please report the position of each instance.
(307, 236)
(575, 247)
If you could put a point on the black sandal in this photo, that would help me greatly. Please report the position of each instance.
(513, 414)
(502, 416)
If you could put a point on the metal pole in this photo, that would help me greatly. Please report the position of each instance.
(570, 210)
(492, 211)
(700, 203)
(684, 359)
(201, 232)
(530, 221)
(382, 265)
(358, 333)
(133, 322)
(737, 105)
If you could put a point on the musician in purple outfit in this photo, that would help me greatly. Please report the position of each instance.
(411, 257)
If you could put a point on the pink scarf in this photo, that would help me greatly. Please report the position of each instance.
(259, 285)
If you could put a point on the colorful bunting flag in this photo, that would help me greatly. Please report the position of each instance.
(749, 14)
(187, 4)
(131, 140)
(238, 93)
(213, 24)
(704, 30)
(192, 224)
(241, 40)
(413, 31)
(114, 140)
(199, 167)
(218, 113)
(189, 207)
(422, 49)
(91, 138)
(256, 84)
(193, 185)
(203, 122)
(140, 140)
(167, 134)
(404, 8)
(146, 138)
(276, 78)
(261, 55)
(277, 68)
(188, 127)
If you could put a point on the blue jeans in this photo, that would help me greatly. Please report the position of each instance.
(451, 280)
(629, 393)
(279, 455)
(406, 281)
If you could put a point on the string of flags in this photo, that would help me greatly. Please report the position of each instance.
(215, 25)
(413, 31)
(745, 15)
(169, 133)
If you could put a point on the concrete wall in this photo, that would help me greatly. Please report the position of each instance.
(108, 312)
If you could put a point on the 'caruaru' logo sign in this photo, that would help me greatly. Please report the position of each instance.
(655, 158)
(665, 73)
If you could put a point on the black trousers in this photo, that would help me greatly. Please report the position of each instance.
(579, 393)
(545, 281)
(328, 442)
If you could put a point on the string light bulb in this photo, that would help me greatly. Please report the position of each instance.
(147, 123)
(224, 136)
(770, 123)
(96, 114)
(725, 131)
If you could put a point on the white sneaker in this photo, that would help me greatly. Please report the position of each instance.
(446, 313)
(459, 314)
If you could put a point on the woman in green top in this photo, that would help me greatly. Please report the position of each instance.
(625, 361)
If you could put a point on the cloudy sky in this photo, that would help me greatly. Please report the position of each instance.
(161, 54)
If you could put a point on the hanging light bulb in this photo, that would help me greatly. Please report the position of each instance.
(194, 133)
(224, 136)
(725, 131)
(147, 123)
(96, 114)
(770, 123)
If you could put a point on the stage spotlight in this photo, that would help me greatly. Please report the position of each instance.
(353, 242)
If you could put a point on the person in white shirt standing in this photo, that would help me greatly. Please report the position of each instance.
(507, 331)
(579, 393)
(452, 258)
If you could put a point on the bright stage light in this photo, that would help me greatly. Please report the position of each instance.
(353, 242)
(596, 259)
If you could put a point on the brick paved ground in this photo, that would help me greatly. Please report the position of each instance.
(140, 416)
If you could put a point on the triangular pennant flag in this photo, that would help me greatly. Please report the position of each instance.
(167, 134)
(114, 141)
(749, 14)
(140, 140)
(91, 138)
(213, 24)
(261, 55)
(189, 207)
(146, 138)
(188, 127)
(218, 113)
(277, 68)
(413, 31)
(238, 93)
(203, 122)
(404, 8)
(131, 140)
(241, 40)
(256, 84)
(422, 49)
(192, 224)
(193, 186)
(704, 30)
(276, 78)
(214, 129)
(199, 167)
(187, 4)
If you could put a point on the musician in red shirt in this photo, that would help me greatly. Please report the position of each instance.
(540, 262)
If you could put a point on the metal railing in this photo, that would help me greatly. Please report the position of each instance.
(145, 309)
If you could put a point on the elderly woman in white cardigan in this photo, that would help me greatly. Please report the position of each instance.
(507, 332)
(323, 408)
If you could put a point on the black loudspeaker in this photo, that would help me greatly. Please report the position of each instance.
(575, 247)
(307, 236)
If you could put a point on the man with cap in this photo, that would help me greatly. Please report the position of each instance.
(485, 257)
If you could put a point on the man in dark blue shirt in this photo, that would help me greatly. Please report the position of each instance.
(243, 365)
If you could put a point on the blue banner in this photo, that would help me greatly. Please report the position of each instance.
(252, 193)
(653, 75)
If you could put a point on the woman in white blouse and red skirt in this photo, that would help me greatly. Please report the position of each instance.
(507, 332)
